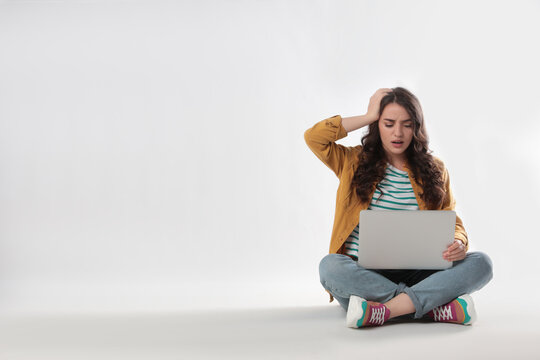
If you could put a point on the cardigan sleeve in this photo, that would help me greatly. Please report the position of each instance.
(449, 203)
(321, 140)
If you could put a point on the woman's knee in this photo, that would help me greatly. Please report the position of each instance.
(483, 264)
(330, 265)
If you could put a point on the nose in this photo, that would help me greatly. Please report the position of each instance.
(398, 131)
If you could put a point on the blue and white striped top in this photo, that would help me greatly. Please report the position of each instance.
(397, 194)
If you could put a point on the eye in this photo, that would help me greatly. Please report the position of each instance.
(388, 125)
(408, 126)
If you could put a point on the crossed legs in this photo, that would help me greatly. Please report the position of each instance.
(343, 277)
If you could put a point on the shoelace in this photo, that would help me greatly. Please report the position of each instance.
(377, 315)
(442, 313)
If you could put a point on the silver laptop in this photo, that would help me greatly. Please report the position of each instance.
(405, 239)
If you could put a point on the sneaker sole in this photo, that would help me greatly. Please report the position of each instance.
(471, 311)
(354, 311)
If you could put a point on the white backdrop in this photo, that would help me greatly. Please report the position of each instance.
(152, 155)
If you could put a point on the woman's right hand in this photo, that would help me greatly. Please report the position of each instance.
(375, 103)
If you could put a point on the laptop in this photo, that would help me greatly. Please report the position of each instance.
(405, 239)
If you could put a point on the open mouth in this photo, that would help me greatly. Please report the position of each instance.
(397, 142)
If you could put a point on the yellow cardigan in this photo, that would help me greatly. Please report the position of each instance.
(343, 161)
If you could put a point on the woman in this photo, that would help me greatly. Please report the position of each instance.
(392, 169)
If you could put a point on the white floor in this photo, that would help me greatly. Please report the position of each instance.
(316, 332)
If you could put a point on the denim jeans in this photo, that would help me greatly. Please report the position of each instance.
(343, 277)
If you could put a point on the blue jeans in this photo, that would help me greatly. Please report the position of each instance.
(343, 277)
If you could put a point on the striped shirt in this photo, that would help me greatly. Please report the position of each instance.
(397, 194)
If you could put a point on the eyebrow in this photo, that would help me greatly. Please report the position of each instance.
(395, 120)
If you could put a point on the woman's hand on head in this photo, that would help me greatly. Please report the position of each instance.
(455, 251)
(375, 103)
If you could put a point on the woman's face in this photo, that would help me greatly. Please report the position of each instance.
(396, 129)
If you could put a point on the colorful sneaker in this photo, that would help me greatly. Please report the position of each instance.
(459, 311)
(365, 313)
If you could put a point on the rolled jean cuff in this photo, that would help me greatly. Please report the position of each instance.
(417, 305)
(400, 288)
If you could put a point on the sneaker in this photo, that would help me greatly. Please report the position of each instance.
(362, 313)
(459, 311)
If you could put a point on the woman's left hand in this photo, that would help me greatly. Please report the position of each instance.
(455, 252)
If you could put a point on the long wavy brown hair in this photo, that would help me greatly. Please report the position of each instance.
(372, 160)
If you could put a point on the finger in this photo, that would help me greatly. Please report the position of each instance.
(460, 249)
(456, 257)
(446, 255)
(384, 91)
(458, 253)
(459, 244)
(461, 253)
(450, 257)
(452, 246)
